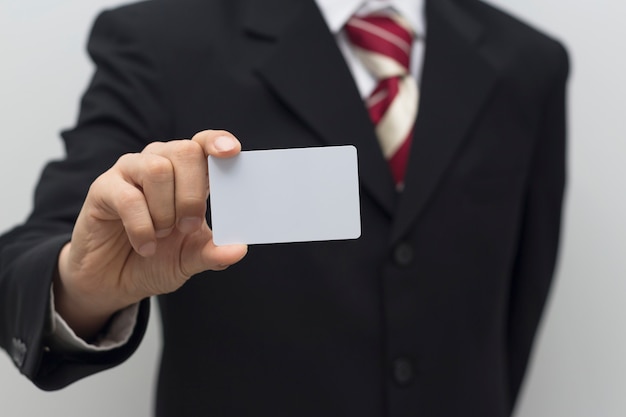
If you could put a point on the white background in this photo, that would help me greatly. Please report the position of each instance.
(579, 366)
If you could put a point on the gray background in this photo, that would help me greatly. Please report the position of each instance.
(578, 368)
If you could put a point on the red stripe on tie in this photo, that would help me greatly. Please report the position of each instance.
(381, 35)
(391, 26)
(399, 160)
(388, 87)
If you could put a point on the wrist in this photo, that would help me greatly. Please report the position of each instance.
(83, 306)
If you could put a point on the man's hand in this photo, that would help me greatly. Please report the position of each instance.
(142, 231)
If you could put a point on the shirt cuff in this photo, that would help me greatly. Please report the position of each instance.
(116, 334)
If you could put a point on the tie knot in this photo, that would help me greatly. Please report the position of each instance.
(383, 42)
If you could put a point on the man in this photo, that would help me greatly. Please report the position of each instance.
(431, 312)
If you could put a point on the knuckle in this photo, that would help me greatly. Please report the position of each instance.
(128, 196)
(199, 136)
(159, 169)
(187, 147)
(127, 158)
(153, 147)
(100, 188)
(98, 183)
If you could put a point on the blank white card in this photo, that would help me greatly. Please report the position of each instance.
(285, 195)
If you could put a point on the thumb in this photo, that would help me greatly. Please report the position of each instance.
(201, 254)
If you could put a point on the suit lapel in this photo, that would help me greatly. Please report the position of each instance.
(306, 70)
(456, 81)
(302, 65)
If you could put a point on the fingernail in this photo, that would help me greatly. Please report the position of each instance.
(189, 224)
(147, 249)
(224, 143)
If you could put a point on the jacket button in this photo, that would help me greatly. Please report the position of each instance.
(18, 352)
(403, 254)
(403, 371)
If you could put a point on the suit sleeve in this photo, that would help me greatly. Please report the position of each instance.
(540, 231)
(120, 112)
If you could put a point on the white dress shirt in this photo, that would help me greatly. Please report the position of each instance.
(336, 13)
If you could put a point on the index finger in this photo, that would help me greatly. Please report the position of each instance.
(218, 143)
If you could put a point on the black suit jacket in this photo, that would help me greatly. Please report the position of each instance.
(432, 312)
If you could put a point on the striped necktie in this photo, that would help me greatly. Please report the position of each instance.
(383, 43)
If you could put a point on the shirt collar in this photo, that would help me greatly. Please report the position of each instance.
(336, 12)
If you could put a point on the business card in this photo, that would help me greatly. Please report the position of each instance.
(285, 195)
